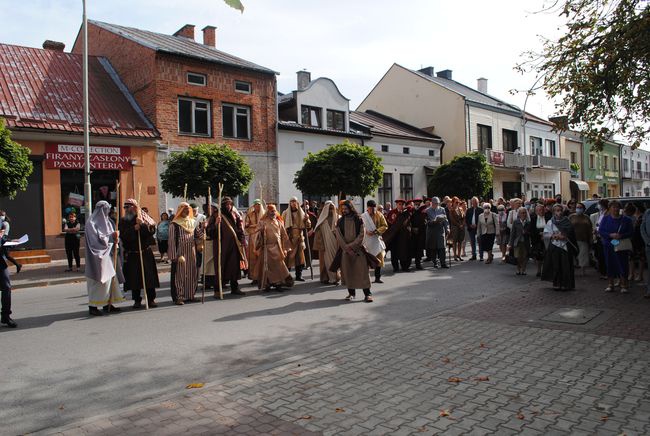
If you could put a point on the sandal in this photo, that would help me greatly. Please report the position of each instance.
(368, 299)
(349, 298)
(179, 303)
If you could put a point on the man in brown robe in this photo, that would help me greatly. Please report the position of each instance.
(354, 264)
(272, 246)
(233, 257)
(296, 221)
(253, 216)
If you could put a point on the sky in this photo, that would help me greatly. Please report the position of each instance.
(353, 42)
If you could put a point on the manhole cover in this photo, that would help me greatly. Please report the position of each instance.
(572, 315)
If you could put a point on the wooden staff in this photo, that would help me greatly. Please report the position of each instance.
(185, 193)
(144, 284)
(219, 242)
(205, 252)
(115, 243)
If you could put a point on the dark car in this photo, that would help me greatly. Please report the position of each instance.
(591, 206)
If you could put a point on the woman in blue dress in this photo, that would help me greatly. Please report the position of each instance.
(616, 230)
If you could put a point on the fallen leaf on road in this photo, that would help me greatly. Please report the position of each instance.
(482, 378)
(305, 417)
(61, 407)
(340, 410)
(195, 386)
(454, 379)
(446, 360)
(520, 415)
(296, 373)
(445, 412)
(604, 418)
(422, 429)
(168, 405)
(482, 345)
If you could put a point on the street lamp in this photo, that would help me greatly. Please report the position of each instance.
(87, 186)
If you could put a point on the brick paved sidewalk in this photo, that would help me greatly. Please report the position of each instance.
(441, 374)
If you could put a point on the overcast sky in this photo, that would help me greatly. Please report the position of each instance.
(353, 42)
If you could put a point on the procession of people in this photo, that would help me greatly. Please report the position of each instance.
(215, 251)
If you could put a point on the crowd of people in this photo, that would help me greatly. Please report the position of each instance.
(216, 249)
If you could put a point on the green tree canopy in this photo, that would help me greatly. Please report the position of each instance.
(203, 166)
(346, 168)
(465, 176)
(15, 166)
(599, 70)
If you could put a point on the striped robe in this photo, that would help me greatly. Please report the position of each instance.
(182, 243)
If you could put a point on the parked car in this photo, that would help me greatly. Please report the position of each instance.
(591, 206)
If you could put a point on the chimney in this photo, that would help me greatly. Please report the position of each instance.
(428, 71)
(187, 31)
(210, 36)
(445, 74)
(304, 79)
(481, 85)
(53, 45)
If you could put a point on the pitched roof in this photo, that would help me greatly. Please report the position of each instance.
(179, 45)
(42, 90)
(383, 125)
(470, 94)
(294, 126)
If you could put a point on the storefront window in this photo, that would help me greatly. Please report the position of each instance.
(103, 185)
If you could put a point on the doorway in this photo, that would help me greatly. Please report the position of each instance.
(511, 190)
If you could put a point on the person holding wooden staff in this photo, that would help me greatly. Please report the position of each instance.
(272, 246)
(253, 216)
(295, 221)
(232, 256)
(137, 224)
(183, 238)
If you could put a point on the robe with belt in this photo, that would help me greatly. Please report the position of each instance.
(270, 243)
(354, 267)
(251, 222)
(132, 270)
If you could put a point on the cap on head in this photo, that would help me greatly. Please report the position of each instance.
(371, 203)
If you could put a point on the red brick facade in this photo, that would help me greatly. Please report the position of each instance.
(157, 80)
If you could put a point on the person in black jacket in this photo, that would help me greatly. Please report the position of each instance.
(471, 220)
(538, 220)
(5, 286)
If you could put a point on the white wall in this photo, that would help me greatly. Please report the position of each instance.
(323, 93)
(497, 121)
(545, 132)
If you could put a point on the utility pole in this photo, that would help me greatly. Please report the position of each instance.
(87, 186)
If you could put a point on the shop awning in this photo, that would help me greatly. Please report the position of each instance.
(582, 186)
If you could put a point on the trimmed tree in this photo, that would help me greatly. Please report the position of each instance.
(15, 166)
(346, 168)
(465, 176)
(203, 166)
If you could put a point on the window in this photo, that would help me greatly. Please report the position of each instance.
(510, 140)
(574, 157)
(311, 116)
(243, 87)
(550, 146)
(638, 166)
(384, 148)
(542, 190)
(614, 163)
(592, 161)
(385, 192)
(432, 153)
(406, 186)
(236, 121)
(194, 117)
(241, 201)
(484, 137)
(335, 120)
(406, 150)
(196, 79)
(606, 162)
(626, 165)
(536, 146)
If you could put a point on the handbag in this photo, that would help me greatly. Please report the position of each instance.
(621, 244)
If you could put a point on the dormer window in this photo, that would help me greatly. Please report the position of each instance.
(197, 79)
(311, 116)
(335, 120)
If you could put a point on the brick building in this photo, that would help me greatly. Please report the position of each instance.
(41, 101)
(194, 93)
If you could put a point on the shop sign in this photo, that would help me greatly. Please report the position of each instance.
(102, 157)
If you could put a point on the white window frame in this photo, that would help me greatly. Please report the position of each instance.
(203, 76)
(243, 82)
(536, 144)
(549, 149)
(194, 109)
(237, 107)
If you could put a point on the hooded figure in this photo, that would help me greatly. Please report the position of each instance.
(253, 217)
(325, 242)
(183, 235)
(272, 246)
(103, 276)
(295, 221)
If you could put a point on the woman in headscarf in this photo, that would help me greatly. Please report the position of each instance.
(102, 275)
(561, 251)
(325, 242)
(183, 235)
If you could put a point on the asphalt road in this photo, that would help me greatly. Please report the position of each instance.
(60, 366)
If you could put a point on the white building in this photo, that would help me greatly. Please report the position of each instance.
(636, 172)
(317, 115)
(523, 151)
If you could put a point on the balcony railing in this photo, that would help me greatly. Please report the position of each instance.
(507, 159)
(640, 175)
(553, 162)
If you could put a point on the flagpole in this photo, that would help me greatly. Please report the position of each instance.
(87, 185)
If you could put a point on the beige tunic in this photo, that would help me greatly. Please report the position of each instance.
(354, 268)
(297, 240)
(325, 257)
(270, 244)
(251, 223)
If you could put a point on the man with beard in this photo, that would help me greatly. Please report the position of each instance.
(134, 225)
(253, 216)
(375, 225)
(233, 257)
(272, 246)
(418, 231)
(398, 237)
(354, 264)
(295, 222)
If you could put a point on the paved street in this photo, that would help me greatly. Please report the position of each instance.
(468, 343)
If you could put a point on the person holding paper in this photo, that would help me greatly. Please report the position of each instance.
(375, 225)
(5, 286)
